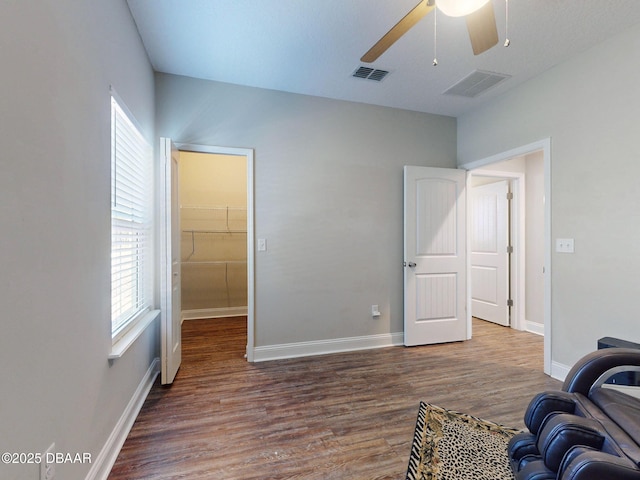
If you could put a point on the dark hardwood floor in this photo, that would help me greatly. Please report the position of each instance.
(341, 416)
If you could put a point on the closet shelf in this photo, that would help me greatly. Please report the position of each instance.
(207, 207)
(222, 230)
(214, 262)
(213, 220)
(194, 232)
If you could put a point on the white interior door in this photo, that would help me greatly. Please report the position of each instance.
(171, 333)
(489, 257)
(435, 286)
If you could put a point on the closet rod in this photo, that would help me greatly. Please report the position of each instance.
(192, 231)
(193, 237)
(204, 207)
(215, 262)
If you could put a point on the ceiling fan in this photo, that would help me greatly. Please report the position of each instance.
(481, 24)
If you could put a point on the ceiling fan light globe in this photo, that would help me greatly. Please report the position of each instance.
(459, 8)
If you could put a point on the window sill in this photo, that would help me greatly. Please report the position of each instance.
(123, 343)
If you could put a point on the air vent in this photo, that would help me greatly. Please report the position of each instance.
(476, 83)
(370, 74)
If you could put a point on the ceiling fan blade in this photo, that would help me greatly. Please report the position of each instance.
(399, 29)
(482, 29)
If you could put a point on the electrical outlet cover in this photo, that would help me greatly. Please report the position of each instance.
(564, 245)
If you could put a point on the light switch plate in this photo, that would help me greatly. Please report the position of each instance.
(262, 244)
(564, 245)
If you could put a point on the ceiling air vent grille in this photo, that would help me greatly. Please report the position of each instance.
(370, 74)
(476, 83)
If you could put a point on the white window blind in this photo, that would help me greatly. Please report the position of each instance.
(131, 221)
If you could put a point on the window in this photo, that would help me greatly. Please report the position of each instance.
(131, 221)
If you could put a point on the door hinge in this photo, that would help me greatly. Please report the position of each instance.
(509, 303)
(509, 249)
(510, 196)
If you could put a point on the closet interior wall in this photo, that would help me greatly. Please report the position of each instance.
(213, 223)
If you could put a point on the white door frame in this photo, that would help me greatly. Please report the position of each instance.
(248, 154)
(543, 145)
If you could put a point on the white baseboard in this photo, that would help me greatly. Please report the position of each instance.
(534, 327)
(559, 371)
(323, 347)
(103, 463)
(198, 314)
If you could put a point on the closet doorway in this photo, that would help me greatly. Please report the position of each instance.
(215, 198)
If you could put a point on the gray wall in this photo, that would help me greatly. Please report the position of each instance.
(589, 108)
(58, 59)
(328, 197)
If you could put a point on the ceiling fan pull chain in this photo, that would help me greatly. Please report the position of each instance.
(435, 37)
(507, 42)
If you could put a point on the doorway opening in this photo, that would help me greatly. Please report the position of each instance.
(213, 228)
(216, 229)
(527, 170)
(490, 247)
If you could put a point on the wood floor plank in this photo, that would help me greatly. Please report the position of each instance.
(341, 416)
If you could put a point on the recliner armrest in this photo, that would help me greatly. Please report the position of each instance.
(591, 367)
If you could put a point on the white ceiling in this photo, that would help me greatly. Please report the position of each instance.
(313, 47)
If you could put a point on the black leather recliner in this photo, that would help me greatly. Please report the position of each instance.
(586, 431)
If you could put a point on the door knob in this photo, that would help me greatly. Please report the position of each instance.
(411, 264)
